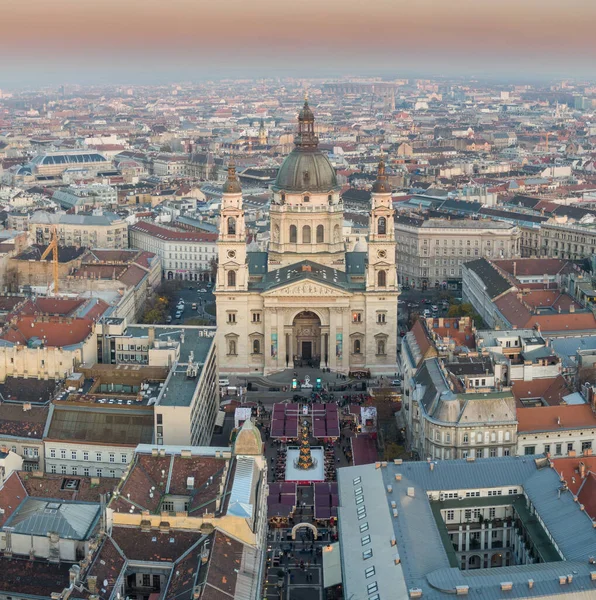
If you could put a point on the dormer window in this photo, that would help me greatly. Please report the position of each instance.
(306, 198)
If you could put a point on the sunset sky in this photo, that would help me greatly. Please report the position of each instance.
(161, 40)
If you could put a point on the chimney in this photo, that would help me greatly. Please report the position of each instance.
(582, 470)
(514, 269)
(151, 336)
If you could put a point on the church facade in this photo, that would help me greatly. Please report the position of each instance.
(306, 301)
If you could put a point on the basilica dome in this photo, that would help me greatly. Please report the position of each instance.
(306, 168)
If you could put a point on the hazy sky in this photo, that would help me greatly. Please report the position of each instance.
(140, 40)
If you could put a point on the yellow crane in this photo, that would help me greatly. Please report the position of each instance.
(53, 247)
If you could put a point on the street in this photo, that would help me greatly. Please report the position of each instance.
(202, 299)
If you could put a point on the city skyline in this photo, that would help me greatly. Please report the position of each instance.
(154, 42)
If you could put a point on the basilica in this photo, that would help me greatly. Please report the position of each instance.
(307, 301)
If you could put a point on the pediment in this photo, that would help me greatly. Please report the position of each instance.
(306, 288)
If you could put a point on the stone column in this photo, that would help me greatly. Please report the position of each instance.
(467, 538)
(490, 536)
(346, 338)
(505, 541)
(267, 342)
(460, 538)
(483, 545)
(333, 315)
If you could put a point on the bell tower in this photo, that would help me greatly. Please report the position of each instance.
(381, 272)
(232, 270)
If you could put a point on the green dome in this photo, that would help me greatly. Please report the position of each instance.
(306, 168)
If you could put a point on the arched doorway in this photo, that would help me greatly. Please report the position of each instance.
(496, 560)
(307, 339)
(474, 562)
(302, 525)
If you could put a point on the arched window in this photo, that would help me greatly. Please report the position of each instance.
(330, 199)
(320, 234)
(336, 235)
(306, 234)
(283, 198)
(381, 347)
(306, 198)
(232, 347)
(256, 347)
(231, 278)
(356, 346)
(293, 234)
(382, 279)
(382, 226)
(231, 225)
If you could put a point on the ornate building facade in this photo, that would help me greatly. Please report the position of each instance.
(306, 301)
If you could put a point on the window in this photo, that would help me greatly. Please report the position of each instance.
(363, 527)
(381, 278)
(357, 480)
(558, 449)
(112, 457)
(586, 446)
(231, 317)
(380, 317)
(369, 572)
(466, 439)
(231, 226)
(256, 347)
(256, 317)
(232, 278)
(73, 455)
(52, 468)
(382, 226)
(493, 452)
(365, 540)
(63, 469)
(62, 453)
(492, 513)
(86, 471)
(320, 234)
(450, 515)
(547, 448)
(232, 347)
(367, 554)
(306, 198)
(356, 346)
(306, 234)
(357, 317)
(570, 447)
(98, 456)
(99, 472)
(146, 580)
(123, 458)
(506, 452)
(381, 347)
(529, 450)
(85, 455)
(371, 588)
(293, 234)
(468, 513)
(75, 471)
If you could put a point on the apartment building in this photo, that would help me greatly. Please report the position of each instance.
(97, 230)
(432, 251)
(188, 255)
(558, 240)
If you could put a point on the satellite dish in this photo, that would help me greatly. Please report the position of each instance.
(105, 583)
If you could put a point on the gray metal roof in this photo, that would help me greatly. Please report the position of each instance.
(70, 520)
(424, 561)
(241, 502)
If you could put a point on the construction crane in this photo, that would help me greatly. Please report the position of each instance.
(53, 247)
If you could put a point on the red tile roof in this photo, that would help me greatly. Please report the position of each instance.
(555, 418)
(56, 332)
(569, 470)
(12, 493)
(421, 337)
(167, 233)
(527, 267)
(132, 276)
(577, 321)
(550, 389)
(587, 494)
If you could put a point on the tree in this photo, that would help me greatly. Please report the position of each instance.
(153, 315)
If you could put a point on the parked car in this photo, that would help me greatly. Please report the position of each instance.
(203, 291)
(169, 319)
(396, 382)
(178, 315)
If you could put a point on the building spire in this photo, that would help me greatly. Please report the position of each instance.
(306, 138)
(381, 185)
(232, 185)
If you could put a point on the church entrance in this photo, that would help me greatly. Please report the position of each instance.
(306, 350)
(306, 333)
